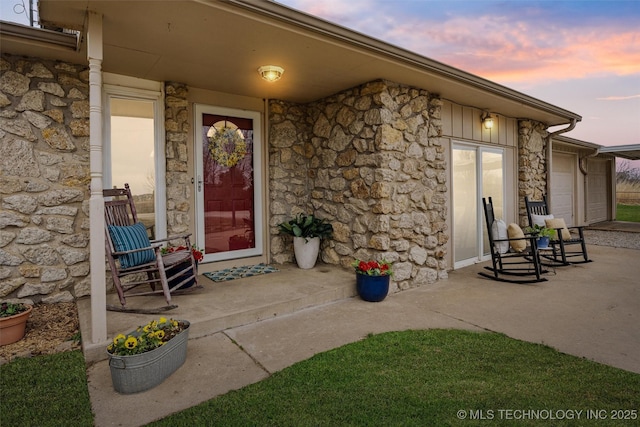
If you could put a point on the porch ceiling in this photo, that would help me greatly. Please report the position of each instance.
(219, 45)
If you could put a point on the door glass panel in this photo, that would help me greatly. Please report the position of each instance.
(132, 154)
(465, 206)
(228, 183)
(492, 186)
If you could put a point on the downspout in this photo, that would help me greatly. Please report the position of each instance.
(571, 126)
(583, 169)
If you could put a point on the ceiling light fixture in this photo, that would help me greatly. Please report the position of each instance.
(271, 73)
(487, 120)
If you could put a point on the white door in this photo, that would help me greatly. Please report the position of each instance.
(229, 207)
(562, 187)
(477, 172)
(597, 184)
(134, 151)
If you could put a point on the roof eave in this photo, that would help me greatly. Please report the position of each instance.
(325, 28)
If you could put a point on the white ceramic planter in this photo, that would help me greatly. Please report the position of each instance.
(306, 251)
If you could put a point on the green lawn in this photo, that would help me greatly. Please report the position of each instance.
(628, 213)
(424, 378)
(45, 391)
(434, 377)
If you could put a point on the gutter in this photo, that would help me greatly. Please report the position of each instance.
(341, 34)
(571, 126)
(69, 41)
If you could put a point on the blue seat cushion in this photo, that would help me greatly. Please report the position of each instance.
(129, 237)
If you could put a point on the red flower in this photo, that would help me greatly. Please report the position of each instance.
(373, 268)
(197, 253)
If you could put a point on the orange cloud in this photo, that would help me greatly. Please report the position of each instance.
(506, 51)
(618, 98)
(523, 47)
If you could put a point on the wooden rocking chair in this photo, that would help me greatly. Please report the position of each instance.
(130, 253)
(568, 246)
(521, 266)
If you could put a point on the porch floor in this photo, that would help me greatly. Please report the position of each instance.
(222, 305)
(587, 310)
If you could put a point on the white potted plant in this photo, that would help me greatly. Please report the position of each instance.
(307, 231)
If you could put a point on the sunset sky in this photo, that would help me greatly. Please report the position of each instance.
(583, 56)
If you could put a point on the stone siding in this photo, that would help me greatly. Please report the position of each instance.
(179, 187)
(370, 160)
(44, 178)
(532, 164)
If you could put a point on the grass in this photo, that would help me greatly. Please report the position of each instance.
(424, 378)
(628, 213)
(46, 390)
(400, 378)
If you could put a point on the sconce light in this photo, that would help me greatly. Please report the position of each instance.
(487, 120)
(271, 73)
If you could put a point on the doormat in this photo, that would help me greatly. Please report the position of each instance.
(240, 272)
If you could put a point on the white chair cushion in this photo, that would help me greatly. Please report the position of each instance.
(540, 219)
(499, 231)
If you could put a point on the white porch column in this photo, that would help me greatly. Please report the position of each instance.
(96, 201)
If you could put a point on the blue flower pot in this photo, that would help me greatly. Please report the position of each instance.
(543, 242)
(372, 288)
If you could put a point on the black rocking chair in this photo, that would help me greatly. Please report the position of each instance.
(565, 251)
(523, 266)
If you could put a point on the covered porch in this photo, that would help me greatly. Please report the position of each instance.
(218, 306)
(588, 310)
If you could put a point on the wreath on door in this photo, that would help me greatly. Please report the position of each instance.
(227, 146)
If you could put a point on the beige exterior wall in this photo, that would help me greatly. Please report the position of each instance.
(462, 124)
(592, 183)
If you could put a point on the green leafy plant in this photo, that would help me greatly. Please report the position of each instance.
(373, 268)
(307, 226)
(539, 231)
(8, 309)
(146, 338)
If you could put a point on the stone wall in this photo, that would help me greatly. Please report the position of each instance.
(370, 160)
(179, 187)
(44, 177)
(532, 164)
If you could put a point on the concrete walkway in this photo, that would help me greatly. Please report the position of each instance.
(589, 310)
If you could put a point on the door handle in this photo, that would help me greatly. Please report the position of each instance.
(200, 183)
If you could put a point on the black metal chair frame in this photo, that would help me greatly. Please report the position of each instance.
(517, 264)
(170, 271)
(564, 251)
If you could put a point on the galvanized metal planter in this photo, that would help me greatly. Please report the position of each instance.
(140, 372)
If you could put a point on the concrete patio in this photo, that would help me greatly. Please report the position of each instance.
(244, 330)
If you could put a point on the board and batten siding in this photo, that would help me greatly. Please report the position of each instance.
(461, 122)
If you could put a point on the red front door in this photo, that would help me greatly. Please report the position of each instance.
(228, 183)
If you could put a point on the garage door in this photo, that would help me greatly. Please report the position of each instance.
(562, 188)
(597, 183)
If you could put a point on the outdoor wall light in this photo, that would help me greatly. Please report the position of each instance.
(487, 120)
(271, 73)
